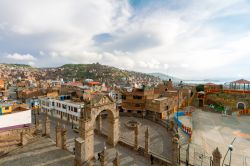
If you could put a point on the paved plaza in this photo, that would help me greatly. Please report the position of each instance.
(160, 139)
(213, 130)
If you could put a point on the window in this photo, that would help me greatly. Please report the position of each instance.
(53, 103)
(167, 107)
(69, 108)
(64, 106)
(137, 97)
(137, 105)
(123, 97)
(6, 108)
(75, 109)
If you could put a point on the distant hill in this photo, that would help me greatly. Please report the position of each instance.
(98, 72)
(16, 65)
(79, 72)
(165, 77)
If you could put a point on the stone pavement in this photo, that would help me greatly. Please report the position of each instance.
(213, 130)
(160, 139)
(127, 157)
(39, 153)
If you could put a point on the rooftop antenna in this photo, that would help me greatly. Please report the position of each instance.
(230, 149)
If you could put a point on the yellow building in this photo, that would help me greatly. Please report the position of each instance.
(5, 109)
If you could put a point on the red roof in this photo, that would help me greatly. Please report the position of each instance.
(94, 83)
(210, 84)
(241, 81)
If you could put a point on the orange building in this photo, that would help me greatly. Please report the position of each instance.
(158, 102)
(2, 85)
(135, 101)
(3, 91)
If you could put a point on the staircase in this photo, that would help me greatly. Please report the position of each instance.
(9, 142)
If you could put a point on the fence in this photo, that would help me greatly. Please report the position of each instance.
(194, 155)
(185, 129)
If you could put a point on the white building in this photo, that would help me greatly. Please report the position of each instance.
(19, 118)
(62, 108)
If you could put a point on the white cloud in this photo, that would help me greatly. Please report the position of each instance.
(21, 57)
(184, 42)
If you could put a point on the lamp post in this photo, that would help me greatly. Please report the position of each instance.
(230, 149)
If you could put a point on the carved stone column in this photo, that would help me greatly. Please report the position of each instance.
(64, 137)
(147, 142)
(61, 136)
(216, 157)
(46, 127)
(23, 140)
(136, 136)
(79, 152)
(58, 135)
(104, 157)
(175, 151)
(117, 161)
(99, 124)
(114, 136)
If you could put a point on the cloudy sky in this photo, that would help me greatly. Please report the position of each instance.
(191, 39)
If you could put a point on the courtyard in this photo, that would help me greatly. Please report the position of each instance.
(211, 130)
(160, 141)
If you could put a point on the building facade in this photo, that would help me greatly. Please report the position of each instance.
(62, 107)
(14, 116)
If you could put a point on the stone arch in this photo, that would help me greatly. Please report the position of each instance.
(241, 105)
(87, 125)
(113, 120)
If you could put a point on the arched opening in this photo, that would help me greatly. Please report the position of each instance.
(92, 120)
(103, 123)
(241, 105)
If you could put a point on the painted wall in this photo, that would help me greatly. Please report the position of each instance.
(6, 109)
(15, 120)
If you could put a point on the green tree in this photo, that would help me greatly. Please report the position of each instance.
(200, 88)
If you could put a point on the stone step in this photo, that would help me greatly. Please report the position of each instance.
(8, 144)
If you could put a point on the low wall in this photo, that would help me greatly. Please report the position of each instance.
(244, 112)
(141, 150)
(187, 130)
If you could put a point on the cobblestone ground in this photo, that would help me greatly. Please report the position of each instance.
(213, 130)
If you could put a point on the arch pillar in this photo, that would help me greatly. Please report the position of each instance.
(87, 134)
(99, 124)
(113, 137)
